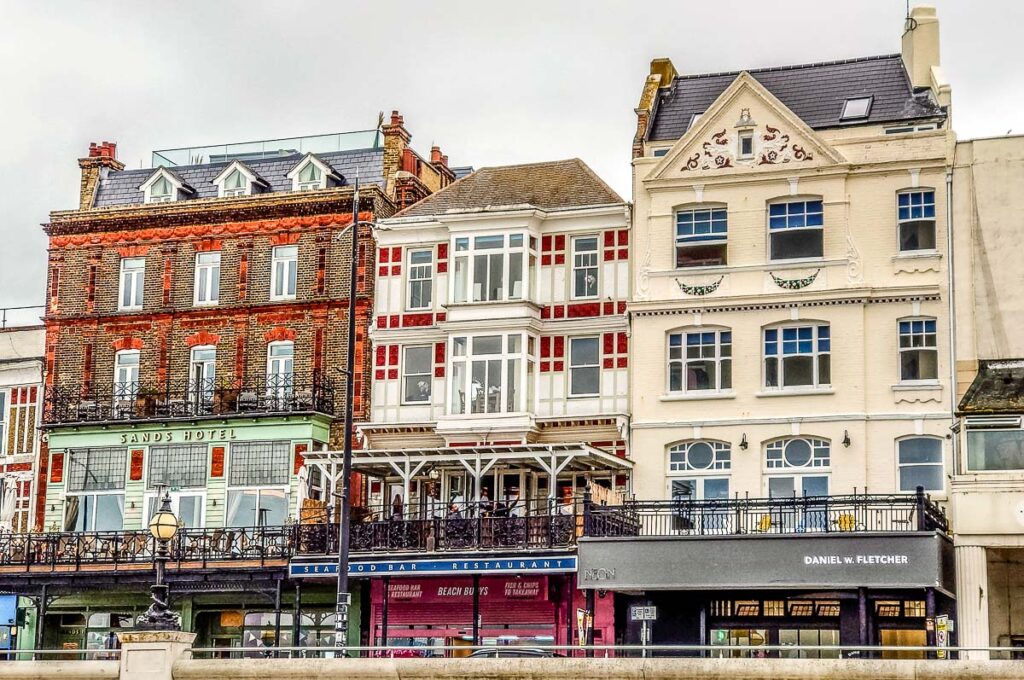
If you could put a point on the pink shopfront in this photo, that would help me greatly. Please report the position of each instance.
(529, 609)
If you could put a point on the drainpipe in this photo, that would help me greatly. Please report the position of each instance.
(951, 285)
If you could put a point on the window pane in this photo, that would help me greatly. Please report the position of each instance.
(96, 469)
(512, 387)
(461, 279)
(708, 255)
(109, 512)
(787, 245)
(273, 508)
(586, 380)
(458, 395)
(780, 487)
(515, 275)
(487, 344)
(917, 235)
(797, 371)
(815, 486)
(920, 450)
(584, 351)
(995, 449)
(418, 373)
(495, 280)
(177, 466)
(716, 489)
(700, 375)
(259, 464)
(241, 510)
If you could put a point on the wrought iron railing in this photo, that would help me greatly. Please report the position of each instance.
(836, 514)
(122, 401)
(481, 528)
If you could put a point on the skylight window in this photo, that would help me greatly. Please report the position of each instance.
(856, 108)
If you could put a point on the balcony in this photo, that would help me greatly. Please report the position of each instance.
(766, 516)
(213, 398)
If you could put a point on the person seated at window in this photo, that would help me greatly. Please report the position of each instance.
(486, 508)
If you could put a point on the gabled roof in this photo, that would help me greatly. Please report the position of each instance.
(174, 177)
(122, 187)
(814, 92)
(553, 185)
(324, 166)
(245, 170)
(997, 388)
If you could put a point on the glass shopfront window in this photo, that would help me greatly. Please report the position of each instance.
(258, 476)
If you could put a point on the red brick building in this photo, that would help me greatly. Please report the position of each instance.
(195, 339)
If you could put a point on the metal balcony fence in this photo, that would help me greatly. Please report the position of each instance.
(732, 516)
(485, 527)
(215, 397)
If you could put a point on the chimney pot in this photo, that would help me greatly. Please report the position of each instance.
(435, 154)
(444, 160)
(103, 150)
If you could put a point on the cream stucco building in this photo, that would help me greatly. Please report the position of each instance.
(987, 489)
(790, 317)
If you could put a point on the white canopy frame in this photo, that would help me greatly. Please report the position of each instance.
(552, 459)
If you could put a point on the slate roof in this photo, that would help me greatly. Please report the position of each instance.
(814, 92)
(122, 188)
(552, 185)
(998, 388)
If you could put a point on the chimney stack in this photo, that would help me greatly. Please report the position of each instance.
(921, 46)
(102, 159)
(396, 139)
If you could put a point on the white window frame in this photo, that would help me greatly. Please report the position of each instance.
(152, 493)
(280, 383)
(126, 390)
(846, 114)
(427, 375)
(311, 185)
(820, 457)
(941, 464)
(719, 359)
(816, 354)
(207, 273)
(221, 181)
(572, 367)
(464, 252)
(95, 493)
(202, 375)
(910, 219)
(913, 336)
(421, 274)
(289, 270)
(132, 280)
(783, 221)
(744, 135)
(700, 486)
(712, 215)
(721, 458)
(585, 261)
(285, 488)
(159, 175)
(524, 354)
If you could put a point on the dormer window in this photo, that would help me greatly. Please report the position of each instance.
(163, 186)
(162, 191)
(856, 108)
(237, 179)
(310, 177)
(311, 173)
(236, 184)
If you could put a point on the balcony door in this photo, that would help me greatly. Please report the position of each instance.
(126, 376)
(188, 506)
(280, 371)
(202, 373)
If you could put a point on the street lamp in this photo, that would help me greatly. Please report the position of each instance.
(163, 527)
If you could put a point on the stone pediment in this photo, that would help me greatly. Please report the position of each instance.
(715, 143)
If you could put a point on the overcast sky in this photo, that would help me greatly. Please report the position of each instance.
(491, 83)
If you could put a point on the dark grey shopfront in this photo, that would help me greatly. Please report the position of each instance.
(827, 588)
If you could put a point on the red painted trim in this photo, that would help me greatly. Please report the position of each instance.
(207, 245)
(135, 473)
(57, 468)
(285, 239)
(217, 462)
(133, 251)
(412, 320)
(279, 334)
(127, 342)
(202, 338)
(300, 450)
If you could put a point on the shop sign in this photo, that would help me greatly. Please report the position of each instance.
(816, 560)
(505, 565)
(643, 612)
(447, 590)
(216, 434)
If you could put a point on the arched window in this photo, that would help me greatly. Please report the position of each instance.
(696, 467)
(700, 360)
(797, 466)
(919, 461)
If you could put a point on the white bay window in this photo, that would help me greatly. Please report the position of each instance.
(488, 373)
(491, 267)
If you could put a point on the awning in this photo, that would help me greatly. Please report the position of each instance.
(998, 388)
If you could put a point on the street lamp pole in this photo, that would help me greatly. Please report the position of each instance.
(344, 519)
(163, 527)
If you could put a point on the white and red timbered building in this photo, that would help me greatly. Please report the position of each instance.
(500, 384)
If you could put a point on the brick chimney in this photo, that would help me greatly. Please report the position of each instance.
(101, 159)
(920, 51)
(396, 139)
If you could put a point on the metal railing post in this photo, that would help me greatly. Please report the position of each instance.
(922, 520)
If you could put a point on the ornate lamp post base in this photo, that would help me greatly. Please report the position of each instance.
(158, 616)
